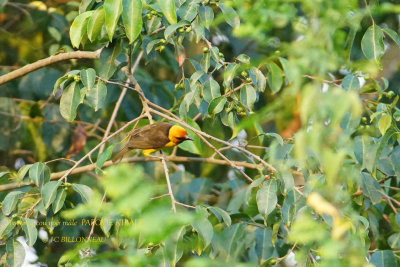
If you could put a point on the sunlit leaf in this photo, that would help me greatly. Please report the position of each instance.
(39, 174)
(248, 96)
(49, 193)
(211, 90)
(384, 123)
(95, 23)
(266, 197)
(83, 190)
(132, 18)
(113, 9)
(78, 28)
(31, 233)
(217, 105)
(274, 77)
(10, 202)
(168, 9)
(372, 43)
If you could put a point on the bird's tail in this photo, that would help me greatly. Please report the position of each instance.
(120, 154)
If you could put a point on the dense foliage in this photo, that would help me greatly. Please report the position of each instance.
(292, 106)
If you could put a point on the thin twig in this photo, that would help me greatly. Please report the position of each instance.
(119, 101)
(95, 218)
(96, 147)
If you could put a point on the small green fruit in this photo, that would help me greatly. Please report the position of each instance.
(248, 80)
(149, 16)
(244, 74)
(205, 50)
(364, 120)
(181, 30)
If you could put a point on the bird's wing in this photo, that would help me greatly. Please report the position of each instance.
(150, 136)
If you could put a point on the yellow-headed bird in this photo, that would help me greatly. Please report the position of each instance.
(153, 137)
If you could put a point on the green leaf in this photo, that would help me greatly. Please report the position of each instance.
(105, 225)
(10, 202)
(2, 174)
(392, 34)
(96, 96)
(211, 90)
(172, 28)
(151, 45)
(39, 174)
(84, 191)
(205, 230)
(49, 193)
(205, 62)
(394, 241)
(230, 15)
(384, 123)
(217, 105)
(103, 157)
(107, 57)
(264, 246)
(95, 23)
(113, 9)
(70, 101)
(86, 5)
(243, 58)
(229, 74)
(370, 187)
(274, 77)
(266, 197)
(15, 253)
(188, 11)
(288, 70)
(55, 33)
(31, 233)
(7, 224)
(23, 171)
(232, 241)
(60, 199)
(221, 214)
(88, 77)
(383, 258)
(395, 159)
(78, 28)
(258, 79)
(132, 18)
(351, 83)
(195, 145)
(206, 15)
(248, 96)
(372, 43)
(168, 9)
(277, 137)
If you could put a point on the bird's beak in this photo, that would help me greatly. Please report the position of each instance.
(187, 137)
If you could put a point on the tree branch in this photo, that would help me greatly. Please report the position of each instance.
(48, 61)
(90, 167)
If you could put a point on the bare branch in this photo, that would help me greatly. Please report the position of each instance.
(48, 61)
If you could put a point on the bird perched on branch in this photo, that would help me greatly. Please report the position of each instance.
(153, 137)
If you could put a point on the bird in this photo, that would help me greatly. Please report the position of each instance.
(153, 137)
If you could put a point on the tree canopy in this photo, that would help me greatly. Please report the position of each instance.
(292, 105)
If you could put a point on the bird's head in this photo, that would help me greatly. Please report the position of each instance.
(177, 134)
